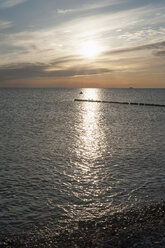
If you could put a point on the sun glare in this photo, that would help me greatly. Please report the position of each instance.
(90, 49)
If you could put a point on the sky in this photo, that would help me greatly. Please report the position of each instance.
(82, 43)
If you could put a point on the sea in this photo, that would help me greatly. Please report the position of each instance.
(63, 162)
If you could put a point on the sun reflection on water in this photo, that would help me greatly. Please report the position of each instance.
(91, 94)
(90, 126)
(89, 149)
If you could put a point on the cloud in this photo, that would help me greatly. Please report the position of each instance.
(18, 71)
(87, 7)
(66, 11)
(160, 53)
(5, 25)
(152, 46)
(10, 3)
(65, 38)
(145, 34)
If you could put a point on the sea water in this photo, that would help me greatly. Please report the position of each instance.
(63, 161)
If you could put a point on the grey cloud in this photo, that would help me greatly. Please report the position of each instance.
(18, 71)
(76, 71)
(87, 7)
(5, 25)
(65, 59)
(10, 3)
(152, 46)
(160, 53)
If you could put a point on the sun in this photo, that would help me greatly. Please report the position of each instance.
(90, 49)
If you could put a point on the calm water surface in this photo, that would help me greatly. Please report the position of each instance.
(63, 161)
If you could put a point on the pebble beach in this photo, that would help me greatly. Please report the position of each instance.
(137, 228)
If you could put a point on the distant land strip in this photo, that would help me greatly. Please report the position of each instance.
(129, 103)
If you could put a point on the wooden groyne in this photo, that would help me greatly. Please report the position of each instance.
(128, 103)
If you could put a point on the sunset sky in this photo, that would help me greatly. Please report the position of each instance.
(82, 43)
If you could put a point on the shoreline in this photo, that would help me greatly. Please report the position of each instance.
(136, 228)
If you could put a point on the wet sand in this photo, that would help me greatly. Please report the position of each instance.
(136, 228)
